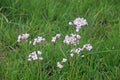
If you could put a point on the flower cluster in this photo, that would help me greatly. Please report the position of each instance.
(78, 50)
(36, 55)
(23, 37)
(60, 64)
(78, 22)
(55, 37)
(72, 39)
(87, 47)
(38, 40)
(69, 39)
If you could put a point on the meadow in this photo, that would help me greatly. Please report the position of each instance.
(50, 17)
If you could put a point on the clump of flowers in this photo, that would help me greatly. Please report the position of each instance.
(38, 40)
(87, 47)
(72, 39)
(23, 37)
(75, 51)
(78, 22)
(78, 50)
(60, 64)
(36, 55)
(55, 37)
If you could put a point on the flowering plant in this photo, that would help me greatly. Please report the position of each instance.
(72, 39)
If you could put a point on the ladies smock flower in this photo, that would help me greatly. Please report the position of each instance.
(38, 40)
(55, 37)
(23, 37)
(78, 22)
(72, 39)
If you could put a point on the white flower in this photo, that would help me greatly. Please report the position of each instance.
(55, 37)
(71, 54)
(70, 23)
(75, 51)
(80, 22)
(87, 47)
(23, 37)
(19, 37)
(78, 28)
(39, 52)
(36, 55)
(30, 42)
(40, 58)
(72, 39)
(59, 65)
(29, 59)
(78, 50)
(33, 56)
(38, 40)
(78, 36)
(64, 60)
(58, 35)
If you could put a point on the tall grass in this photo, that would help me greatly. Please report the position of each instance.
(48, 17)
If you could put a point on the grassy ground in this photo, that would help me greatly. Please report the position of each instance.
(48, 17)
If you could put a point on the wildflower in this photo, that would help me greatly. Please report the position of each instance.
(64, 60)
(59, 65)
(36, 55)
(19, 37)
(76, 51)
(87, 47)
(29, 59)
(32, 56)
(30, 42)
(39, 52)
(71, 54)
(78, 28)
(58, 35)
(70, 23)
(55, 37)
(72, 39)
(23, 37)
(38, 40)
(78, 22)
(40, 58)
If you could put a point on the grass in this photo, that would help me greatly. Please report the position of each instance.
(48, 17)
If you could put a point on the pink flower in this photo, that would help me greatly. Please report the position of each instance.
(78, 22)
(55, 37)
(23, 37)
(60, 64)
(72, 39)
(36, 55)
(38, 40)
(87, 47)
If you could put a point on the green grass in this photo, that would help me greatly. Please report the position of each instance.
(48, 17)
